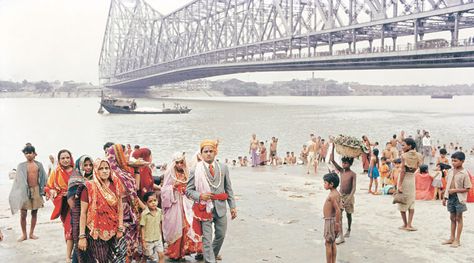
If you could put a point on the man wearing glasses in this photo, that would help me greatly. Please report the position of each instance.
(210, 187)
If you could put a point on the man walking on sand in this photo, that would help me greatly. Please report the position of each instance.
(210, 187)
(28, 190)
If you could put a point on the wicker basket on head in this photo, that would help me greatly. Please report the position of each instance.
(348, 151)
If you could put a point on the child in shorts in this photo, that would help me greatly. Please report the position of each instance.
(150, 223)
(455, 197)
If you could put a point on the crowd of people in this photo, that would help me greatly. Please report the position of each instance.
(403, 171)
(408, 167)
(112, 210)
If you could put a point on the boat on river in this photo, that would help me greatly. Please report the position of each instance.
(129, 106)
(442, 96)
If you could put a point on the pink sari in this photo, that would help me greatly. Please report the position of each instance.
(178, 216)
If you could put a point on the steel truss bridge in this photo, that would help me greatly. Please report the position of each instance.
(142, 47)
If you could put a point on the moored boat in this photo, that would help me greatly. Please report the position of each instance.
(129, 106)
(442, 96)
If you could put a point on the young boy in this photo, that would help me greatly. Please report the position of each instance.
(27, 191)
(384, 171)
(442, 157)
(455, 197)
(347, 190)
(332, 216)
(395, 172)
(150, 223)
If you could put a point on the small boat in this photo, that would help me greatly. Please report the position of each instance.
(442, 96)
(129, 106)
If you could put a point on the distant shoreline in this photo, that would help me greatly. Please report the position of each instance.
(176, 94)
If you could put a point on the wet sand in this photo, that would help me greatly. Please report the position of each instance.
(280, 220)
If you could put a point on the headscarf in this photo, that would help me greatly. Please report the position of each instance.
(79, 176)
(176, 206)
(108, 195)
(80, 165)
(104, 205)
(118, 165)
(143, 153)
(170, 173)
(58, 180)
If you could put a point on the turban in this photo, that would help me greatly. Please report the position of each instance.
(211, 143)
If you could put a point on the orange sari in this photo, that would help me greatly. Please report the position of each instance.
(58, 181)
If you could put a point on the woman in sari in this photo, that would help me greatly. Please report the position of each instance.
(146, 183)
(56, 190)
(130, 201)
(101, 220)
(365, 156)
(84, 172)
(177, 211)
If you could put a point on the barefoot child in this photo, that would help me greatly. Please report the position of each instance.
(150, 223)
(455, 197)
(374, 171)
(442, 157)
(384, 171)
(440, 173)
(332, 216)
(347, 190)
(27, 191)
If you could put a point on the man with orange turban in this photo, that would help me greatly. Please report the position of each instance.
(210, 187)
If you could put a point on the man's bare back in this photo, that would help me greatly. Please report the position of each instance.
(32, 174)
(312, 147)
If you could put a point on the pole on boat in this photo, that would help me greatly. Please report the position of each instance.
(101, 110)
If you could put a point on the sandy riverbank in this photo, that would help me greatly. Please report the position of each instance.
(280, 220)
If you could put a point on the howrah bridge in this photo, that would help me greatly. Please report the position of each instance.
(142, 47)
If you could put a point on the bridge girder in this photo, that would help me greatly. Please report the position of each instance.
(139, 40)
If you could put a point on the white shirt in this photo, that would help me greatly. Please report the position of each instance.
(426, 141)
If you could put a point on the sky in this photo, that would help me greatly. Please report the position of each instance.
(61, 40)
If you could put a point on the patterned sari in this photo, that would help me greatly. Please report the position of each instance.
(103, 219)
(118, 164)
(75, 186)
(178, 216)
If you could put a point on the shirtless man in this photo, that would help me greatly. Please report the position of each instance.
(394, 141)
(347, 190)
(287, 159)
(313, 149)
(253, 148)
(388, 154)
(293, 158)
(273, 151)
(27, 191)
(304, 154)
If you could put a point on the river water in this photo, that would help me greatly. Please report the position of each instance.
(73, 123)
